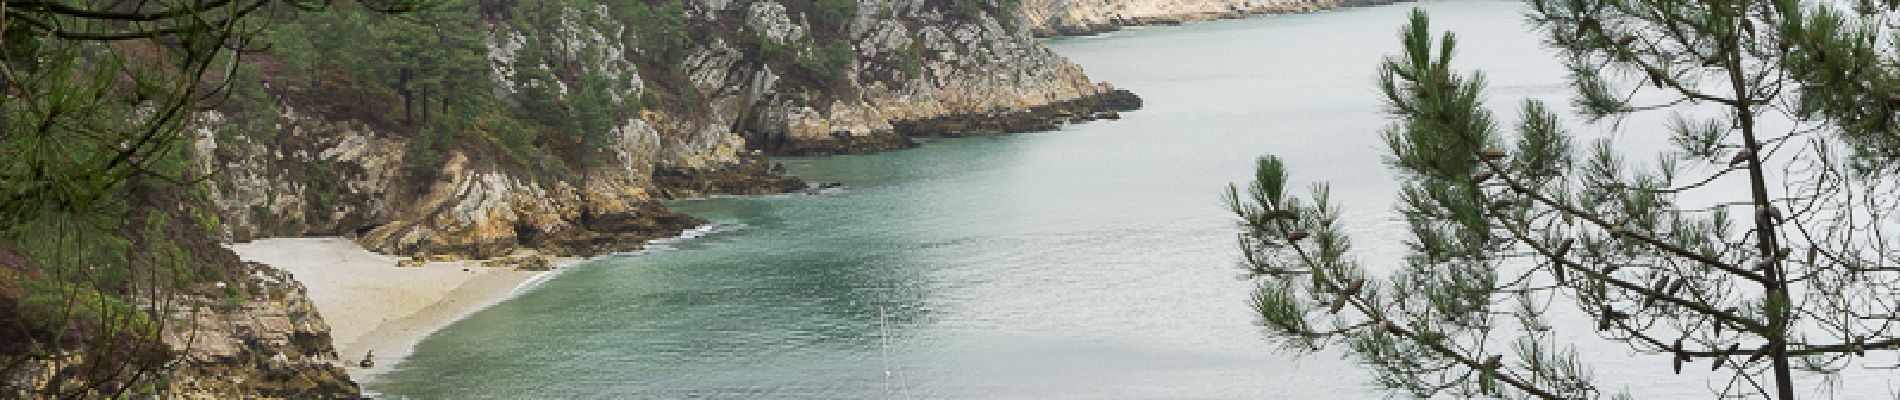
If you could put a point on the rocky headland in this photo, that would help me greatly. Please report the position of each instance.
(1088, 17)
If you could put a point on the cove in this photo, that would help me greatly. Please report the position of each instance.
(1094, 262)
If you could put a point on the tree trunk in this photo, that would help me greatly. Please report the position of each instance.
(445, 102)
(402, 87)
(1766, 241)
(425, 105)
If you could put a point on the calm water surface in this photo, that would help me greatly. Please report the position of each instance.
(1091, 263)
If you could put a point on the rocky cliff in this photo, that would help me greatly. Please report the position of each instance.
(194, 322)
(253, 336)
(685, 110)
(258, 336)
(1085, 17)
(749, 79)
(917, 66)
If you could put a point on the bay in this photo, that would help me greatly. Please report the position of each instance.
(1093, 262)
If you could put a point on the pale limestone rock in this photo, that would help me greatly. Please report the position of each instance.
(710, 6)
(769, 19)
(267, 341)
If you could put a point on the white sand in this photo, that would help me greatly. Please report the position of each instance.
(373, 305)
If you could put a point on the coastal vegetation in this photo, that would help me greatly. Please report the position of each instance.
(1755, 248)
(427, 73)
(104, 234)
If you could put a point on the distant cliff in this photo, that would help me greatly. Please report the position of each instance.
(1085, 17)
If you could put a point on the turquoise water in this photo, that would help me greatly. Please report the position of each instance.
(1095, 262)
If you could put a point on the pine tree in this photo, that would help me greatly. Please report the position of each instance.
(1791, 271)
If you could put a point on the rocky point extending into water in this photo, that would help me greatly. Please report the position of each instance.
(1090, 17)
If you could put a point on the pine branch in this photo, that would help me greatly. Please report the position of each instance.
(1378, 320)
(60, 8)
(1522, 236)
(1619, 229)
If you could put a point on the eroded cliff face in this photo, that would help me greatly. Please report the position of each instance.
(321, 177)
(248, 332)
(1085, 17)
(256, 337)
(744, 87)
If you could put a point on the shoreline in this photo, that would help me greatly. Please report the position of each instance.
(372, 305)
(378, 304)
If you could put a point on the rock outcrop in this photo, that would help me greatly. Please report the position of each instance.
(256, 338)
(339, 178)
(918, 68)
(1087, 17)
(245, 331)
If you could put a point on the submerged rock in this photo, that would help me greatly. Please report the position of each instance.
(524, 261)
(825, 189)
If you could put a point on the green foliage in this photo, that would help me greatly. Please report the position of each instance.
(767, 49)
(53, 303)
(433, 60)
(827, 62)
(1425, 329)
(568, 90)
(513, 136)
(832, 14)
(592, 115)
(658, 30)
(911, 61)
(428, 74)
(297, 50)
(1505, 228)
(537, 89)
(1005, 11)
(1846, 76)
(969, 8)
(427, 151)
(689, 95)
(1008, 11)
(102, 223)
(234, 296)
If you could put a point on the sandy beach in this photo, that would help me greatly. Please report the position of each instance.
(373, 305)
